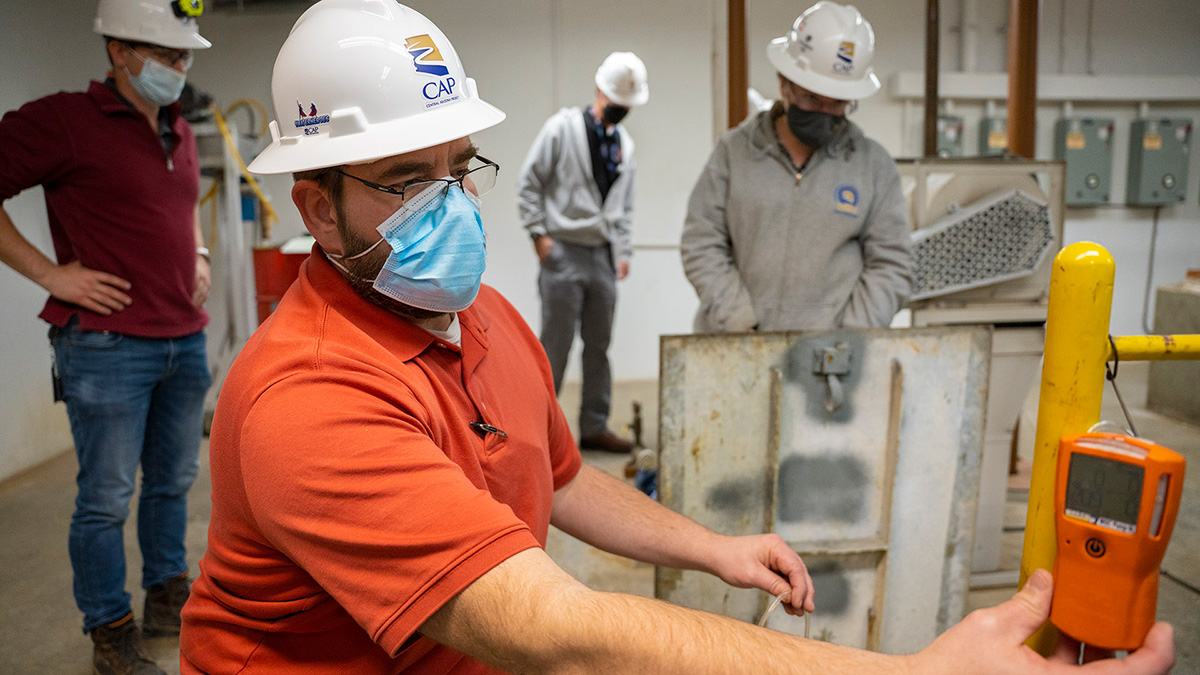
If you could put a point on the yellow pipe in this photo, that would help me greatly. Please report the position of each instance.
(263, 117)
(1157, 348)
(269, 215)
(1081, 287)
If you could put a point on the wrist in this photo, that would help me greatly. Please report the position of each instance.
(708, 553)
(912, 664)
(41, 274)
(203, 252)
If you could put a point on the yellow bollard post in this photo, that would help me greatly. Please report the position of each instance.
(1081, 288)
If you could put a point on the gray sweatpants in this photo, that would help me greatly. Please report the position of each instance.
(579, 288)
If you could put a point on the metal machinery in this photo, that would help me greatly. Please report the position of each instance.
(831, 440)
(984, 236)
(230, 219)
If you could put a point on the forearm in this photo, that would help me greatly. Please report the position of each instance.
(611, 515)
(708, 263)
(724, 298)
(885, 283)
(530, 210)
(528, 616)
(19, 254)
(882, 289)
(623, 240)
(638, 635)
(875, 300)
(199, 233)
(533, 181)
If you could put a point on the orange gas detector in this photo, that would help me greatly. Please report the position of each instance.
(1115, 503)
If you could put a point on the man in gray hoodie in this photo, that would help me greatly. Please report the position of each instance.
(575, 197)
(798, 221)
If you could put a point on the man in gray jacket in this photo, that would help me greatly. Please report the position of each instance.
(575, 197)
(798, 221)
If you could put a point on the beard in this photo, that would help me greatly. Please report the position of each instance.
(364, 270)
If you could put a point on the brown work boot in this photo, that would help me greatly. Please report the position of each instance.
(119, 650)
(608, 442)
(160, 618)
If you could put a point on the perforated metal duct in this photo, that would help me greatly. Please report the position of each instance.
(996, 239)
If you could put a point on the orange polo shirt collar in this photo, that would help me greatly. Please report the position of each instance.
(403, 338)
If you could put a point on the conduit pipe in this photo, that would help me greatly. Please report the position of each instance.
(1022, 77)
(931, 77)
(968, 32)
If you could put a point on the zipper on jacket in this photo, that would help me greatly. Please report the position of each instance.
(170, 164)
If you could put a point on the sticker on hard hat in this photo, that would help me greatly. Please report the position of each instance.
(847, 200)
(425, 55)
(188, 9)
(427, 60)
(309, 120)
(845, 58)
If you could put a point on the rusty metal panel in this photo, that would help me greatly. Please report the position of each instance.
(714, 439)
(743, 457)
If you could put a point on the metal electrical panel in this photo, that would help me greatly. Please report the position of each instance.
(949, 136)
(993, 136)
(1158, 161)
(1086, 144)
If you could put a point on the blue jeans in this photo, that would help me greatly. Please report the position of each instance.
(130, 401)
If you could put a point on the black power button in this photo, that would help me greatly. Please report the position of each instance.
(1095, 547)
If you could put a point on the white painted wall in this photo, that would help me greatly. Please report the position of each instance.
(531, 57)
(32, 427)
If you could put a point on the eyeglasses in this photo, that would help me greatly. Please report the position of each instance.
(479, 180)
(806, 100)
(164, 55)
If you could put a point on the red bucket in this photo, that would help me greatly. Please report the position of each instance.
(274, 272)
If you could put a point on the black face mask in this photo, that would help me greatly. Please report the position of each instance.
(613, 113)
(814, 129)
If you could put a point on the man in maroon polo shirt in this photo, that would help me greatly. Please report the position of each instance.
(121, 176)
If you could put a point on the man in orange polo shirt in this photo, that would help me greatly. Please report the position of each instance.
(388, 453)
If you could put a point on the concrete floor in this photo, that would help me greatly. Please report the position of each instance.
(40, 627)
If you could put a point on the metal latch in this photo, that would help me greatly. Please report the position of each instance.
(832, 362)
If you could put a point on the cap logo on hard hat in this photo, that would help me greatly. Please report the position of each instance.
(309, 120)
(428, 60)
(426, 56)
(845, 58)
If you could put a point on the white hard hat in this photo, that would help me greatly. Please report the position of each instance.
(622, 78)
(168, 23)
(828, 51)
(360, 80)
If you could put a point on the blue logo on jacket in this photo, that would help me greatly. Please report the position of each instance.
(846, 198)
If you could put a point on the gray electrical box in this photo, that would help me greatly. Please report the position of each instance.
(1086, 144)
(993, 136)
(1158, 161)
(949, 136)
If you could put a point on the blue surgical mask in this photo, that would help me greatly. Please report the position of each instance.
(439, 251)
(157, 83)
